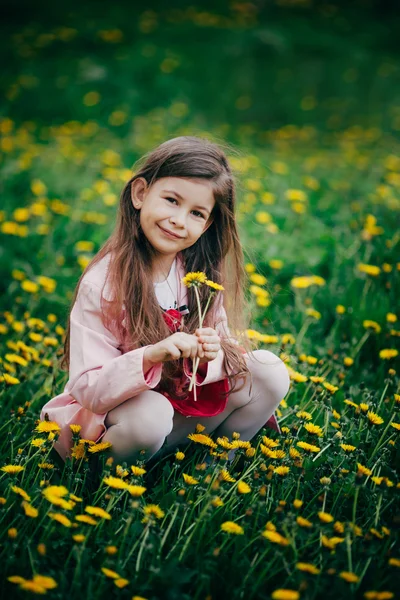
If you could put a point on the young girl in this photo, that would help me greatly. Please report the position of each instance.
(133, 335)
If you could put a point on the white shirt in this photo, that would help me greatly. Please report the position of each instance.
(165, 297)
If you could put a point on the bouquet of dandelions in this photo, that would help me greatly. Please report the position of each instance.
(195, 280)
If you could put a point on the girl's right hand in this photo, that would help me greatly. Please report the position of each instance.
(178, 345)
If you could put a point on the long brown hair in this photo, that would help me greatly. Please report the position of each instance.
(217, 252)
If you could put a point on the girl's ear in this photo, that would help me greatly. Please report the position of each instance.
(138, 192)
(210, 221)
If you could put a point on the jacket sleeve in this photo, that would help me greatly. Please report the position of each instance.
(100, 376)
(214, 370)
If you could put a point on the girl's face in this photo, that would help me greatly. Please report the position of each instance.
(172, 204)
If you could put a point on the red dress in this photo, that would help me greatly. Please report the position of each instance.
(210, 401)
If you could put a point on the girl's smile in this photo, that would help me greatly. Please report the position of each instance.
(170, 234)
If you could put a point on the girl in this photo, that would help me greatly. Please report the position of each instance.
(128, 348)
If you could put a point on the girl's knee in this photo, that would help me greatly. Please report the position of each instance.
(145, 419)
(271, 372)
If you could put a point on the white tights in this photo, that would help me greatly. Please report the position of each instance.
(147, 420)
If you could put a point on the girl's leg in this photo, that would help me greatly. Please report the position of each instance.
(140, 423)
(246, 411)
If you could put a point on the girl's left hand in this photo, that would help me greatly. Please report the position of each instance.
(210, 341)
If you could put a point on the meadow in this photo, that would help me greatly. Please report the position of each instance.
(312, 512)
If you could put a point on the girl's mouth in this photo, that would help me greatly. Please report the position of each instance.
(170, 235)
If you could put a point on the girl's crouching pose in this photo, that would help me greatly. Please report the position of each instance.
(133, 334)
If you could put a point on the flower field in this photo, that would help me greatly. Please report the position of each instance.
(308, 513)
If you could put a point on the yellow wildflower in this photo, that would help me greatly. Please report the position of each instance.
(243, 487)
(189, 479)
(349, 576)
(231, 527)
(313, 429)
(275, 538)
(201, 438)
(374, 418)
(194, 279)
(308, 568)
(308, 447)
(285, 594)
(96, 511)
(325, 517)
(303, 522)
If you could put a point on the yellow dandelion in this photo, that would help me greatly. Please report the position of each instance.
(369, 269)
(368, 324)
(313, 429)
(86, 519)
(47, 426)
(374, 419)
(332, 542)
(282, 470)
(179, 456)
(243, 487)
(136, 490)
(121, 582)
(116, 483)
(201, 438)
(12, 469)
(225, 476)
(361, 470)
(331, 388)
(21, 492)
(109, 573)
(194, 279)
(99, 447)
(215, 286)
(231, 527)
(303, 522)
(308, 568)
(189, 479)
(304, 415)
(270, 443)
(349, 576)
(308, 447)
(96, 511)
(30, 511)
(154, 510)
(61, 519)
(394, 562)
(285, 594)
(388, 353)
(275, 538)
(47, 582)
(325, 517)
(347, 447)
(138, 471)
(75, 428)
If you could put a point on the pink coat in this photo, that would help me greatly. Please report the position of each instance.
(101, 374)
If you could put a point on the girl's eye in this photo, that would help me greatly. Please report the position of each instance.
(195, 211)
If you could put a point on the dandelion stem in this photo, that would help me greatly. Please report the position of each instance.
(139, 556)
(355, 503)
(378, 445)
(348, 547)
(323, 450)
(164, 538)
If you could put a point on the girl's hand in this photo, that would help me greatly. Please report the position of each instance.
(210, 341)
(178, 345)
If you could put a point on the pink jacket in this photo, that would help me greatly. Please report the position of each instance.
(101, 375)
